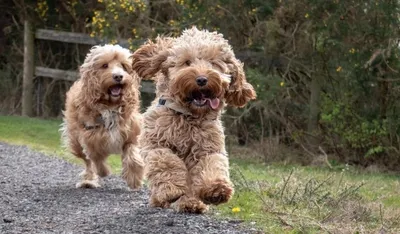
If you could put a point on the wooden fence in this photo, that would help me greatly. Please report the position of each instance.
(31, 71)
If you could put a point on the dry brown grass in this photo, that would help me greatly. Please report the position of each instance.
(311, 200)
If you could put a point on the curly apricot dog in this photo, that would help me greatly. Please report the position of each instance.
(182, 140)
(102, 115)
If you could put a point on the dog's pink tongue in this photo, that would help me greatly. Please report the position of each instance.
(115, 90)
(214, 103)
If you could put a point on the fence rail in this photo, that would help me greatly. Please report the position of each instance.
(147, 87)
(77, 38)
(56, 73)
(31, 71)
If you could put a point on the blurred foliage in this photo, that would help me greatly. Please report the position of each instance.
(349, 49)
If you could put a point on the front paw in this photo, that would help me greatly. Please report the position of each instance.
(165, 194)
(90, 184)
(187, 204)
(217, 192)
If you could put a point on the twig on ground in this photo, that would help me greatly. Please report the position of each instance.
(326, 157)
(285, 184)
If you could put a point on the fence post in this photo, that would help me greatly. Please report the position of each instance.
(27, 84)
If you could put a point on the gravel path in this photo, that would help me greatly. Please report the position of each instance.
(37, 195)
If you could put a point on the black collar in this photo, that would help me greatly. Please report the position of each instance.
(173, 106)
(178, 109)
(99, 121)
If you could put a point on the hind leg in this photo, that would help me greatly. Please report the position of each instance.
(132, 166)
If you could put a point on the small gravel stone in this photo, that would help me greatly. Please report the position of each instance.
(7, 220)
(38, 195)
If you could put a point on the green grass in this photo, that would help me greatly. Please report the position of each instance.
(275, 198)
(37, 133)
(41, 135)
(346, 199)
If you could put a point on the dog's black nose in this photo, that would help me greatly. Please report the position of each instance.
(201, 80)
(117, 77)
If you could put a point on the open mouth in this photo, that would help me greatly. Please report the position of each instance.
(204, 98)
(115, 90)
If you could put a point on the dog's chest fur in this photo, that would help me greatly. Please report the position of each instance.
(111, 124)
(107, 126)
(185, 136)
(115, 142)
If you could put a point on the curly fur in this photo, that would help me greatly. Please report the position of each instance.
(98, 123)
(183, 143)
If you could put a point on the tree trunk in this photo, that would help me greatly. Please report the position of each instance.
(314, 105)
(27, 86)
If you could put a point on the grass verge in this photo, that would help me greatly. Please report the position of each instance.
(275, 198)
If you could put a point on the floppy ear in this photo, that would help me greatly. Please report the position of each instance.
(91, 89)
(148, 59)
(240, 91)
(87, 72)
(131, 95)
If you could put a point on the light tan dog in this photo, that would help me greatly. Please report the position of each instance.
(102, 115)
(182, 140)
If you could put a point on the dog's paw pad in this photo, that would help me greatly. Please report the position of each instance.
(217, 193)
(88, 184)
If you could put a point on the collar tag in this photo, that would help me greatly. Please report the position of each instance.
(161, 102)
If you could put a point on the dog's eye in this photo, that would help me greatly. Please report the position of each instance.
(105, 65)
(217, 65)
(124, 67)
(188, 62)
